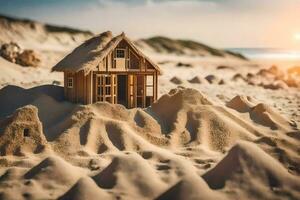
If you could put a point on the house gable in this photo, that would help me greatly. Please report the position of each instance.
(105, 53)
(125, 57)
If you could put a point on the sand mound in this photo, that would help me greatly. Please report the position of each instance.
(179, 118)
(222, 82)
(55, 171)
(292, 81)
(130, 171)
(274, 70)
(276, 85)
(241, 103)
(265, 115)
(12, 173)
(182, 117)
(212, 79)
(49, 179)
(177, 137)
(85, 189)
(22, 132)
(189, 187)
(238, 77)
(274, 78)
(176, 80)
(247, 165)
(265, 73)
(184, 96)
(193, 118)
(222, 67)
(166, 109)
(60, 111)
(26, 96)
(180, 64)
(105, 127)
(260, 113)
(198, 80)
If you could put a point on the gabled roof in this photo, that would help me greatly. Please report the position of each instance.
(88, 55)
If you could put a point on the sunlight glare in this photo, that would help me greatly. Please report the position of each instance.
(297, 36)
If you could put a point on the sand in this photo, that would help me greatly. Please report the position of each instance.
(179, 148)
(222, 128)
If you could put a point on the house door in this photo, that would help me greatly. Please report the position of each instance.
(122, 90)
(106, 89)
(136, 91)
(140, 93)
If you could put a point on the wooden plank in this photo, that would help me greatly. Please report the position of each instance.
(65, 86)
(155, 86)
(128, 88)
(76, 88)
(71, 91)
(91, 87)
(84, 91)
(94, 83)
(144, 91)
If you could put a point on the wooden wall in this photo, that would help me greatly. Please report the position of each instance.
(81, 92)
(134, 63)
(84, 86)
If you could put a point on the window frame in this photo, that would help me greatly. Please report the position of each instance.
(72, 82)
(149, 85)
(117, 55)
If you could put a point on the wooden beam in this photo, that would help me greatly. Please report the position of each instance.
(91, 88)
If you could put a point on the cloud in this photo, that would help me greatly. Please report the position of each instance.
(223, 23)
(134, 3)
(232, 5)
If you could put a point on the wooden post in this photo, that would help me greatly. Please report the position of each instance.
(155, 86)
(144, 90)
(91, 87)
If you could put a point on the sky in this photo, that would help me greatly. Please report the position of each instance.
(221, 23)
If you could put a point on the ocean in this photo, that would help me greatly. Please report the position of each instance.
(268, 53)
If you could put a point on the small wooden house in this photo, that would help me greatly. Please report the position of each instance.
(111, 69)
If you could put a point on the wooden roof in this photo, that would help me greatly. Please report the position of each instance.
(89, 54)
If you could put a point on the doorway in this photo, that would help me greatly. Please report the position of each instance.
(140, 91)
(122, 90)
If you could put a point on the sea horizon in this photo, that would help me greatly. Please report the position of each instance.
(268, 53)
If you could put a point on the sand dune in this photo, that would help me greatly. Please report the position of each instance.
(84, 189)
(128, 172)
(260, 113)
(251, 168)
(178, 148)
(190, 187)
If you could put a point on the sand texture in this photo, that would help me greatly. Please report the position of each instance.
(223, 127)
(185, 146)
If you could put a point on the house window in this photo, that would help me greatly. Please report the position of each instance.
(107, 80)
(131, 91)
(70, 82)
(120, 53)
(106, 88)
(149, 86)
(26, 132)
(149, 90)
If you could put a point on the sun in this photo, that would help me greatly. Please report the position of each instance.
(297, 36)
